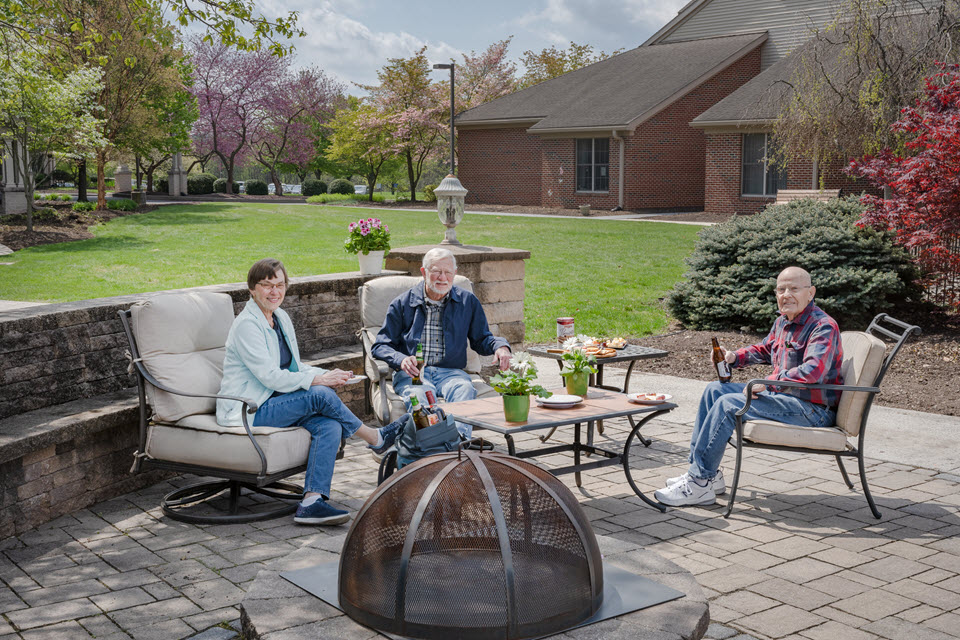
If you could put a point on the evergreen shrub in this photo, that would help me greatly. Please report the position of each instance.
(161, 185)
(122, 204)
(858, 271)
(256, 188)
(220, 186)
(341, 186)
(200, 183)
(313, 187)
(428, 194)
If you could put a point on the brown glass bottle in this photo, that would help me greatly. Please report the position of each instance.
(719, 363)
(416, 378)
(420, 418)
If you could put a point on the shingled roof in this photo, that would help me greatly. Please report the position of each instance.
(617, 93)
(761, 100)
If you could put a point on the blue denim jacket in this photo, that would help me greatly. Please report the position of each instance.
(463, 320)
(251, 364)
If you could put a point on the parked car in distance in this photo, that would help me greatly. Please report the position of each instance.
(360, 188)
(241, 186)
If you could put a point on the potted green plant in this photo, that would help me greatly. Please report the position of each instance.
(577, 367)
(516, 384)
(370, 239)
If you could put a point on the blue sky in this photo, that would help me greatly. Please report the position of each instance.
(351, 39)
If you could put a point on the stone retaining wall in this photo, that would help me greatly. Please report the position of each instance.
(57, 353)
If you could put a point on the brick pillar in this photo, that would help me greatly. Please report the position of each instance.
(497, 276)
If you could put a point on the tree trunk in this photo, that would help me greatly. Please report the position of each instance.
(26, 177)
(102, 179)
(150, 180)
(413, 184)
(139, 167)
(229, 188)
(82, 180)
(277, 186)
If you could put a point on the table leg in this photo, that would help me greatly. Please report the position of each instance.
(595, 381)
(635, 432)
(576, 450)
(511, 447)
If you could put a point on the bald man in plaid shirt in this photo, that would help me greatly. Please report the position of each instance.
(803, 346)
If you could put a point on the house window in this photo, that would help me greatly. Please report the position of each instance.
(760, 176)
(593, 164)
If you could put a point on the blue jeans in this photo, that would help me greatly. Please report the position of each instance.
(321, 412)
(716, 422)
(453, 385)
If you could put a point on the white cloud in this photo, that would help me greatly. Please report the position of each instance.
(348, 49)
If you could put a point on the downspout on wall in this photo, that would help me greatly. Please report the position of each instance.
(622, 172)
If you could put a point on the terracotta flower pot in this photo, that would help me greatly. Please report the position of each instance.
(516, 408)
(577, 383)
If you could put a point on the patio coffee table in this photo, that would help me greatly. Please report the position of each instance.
(487, 413)
(630, 353)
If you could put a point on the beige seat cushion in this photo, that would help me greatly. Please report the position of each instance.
(377, 294)
(198, 439)
(181, 338)
(862, 359)
(778, 433)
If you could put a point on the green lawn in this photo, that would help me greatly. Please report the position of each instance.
(609, 275)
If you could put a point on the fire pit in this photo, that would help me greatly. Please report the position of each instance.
(471, 545)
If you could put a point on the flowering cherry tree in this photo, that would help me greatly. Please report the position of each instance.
(283, 132)
(232, 88)
(483, 77)
(412, 105)
(362, 140)
(924, 204)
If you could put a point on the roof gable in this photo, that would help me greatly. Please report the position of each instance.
(617, 93)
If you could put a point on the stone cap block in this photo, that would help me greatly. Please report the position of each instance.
(464, 254)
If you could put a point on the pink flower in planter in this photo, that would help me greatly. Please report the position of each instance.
(352, 226)
(364, 231)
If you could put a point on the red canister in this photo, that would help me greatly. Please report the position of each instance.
(564, 330)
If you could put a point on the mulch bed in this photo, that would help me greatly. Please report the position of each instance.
(74, 226)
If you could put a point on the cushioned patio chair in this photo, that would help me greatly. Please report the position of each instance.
(864, 367)
(177, 348)
(375, 297)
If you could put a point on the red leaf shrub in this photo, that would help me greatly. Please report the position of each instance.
(924, 204)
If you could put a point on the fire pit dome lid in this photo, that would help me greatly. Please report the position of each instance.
(464, 545)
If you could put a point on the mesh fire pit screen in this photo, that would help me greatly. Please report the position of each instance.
(464, 545)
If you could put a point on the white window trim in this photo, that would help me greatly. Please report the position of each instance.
(766, 166)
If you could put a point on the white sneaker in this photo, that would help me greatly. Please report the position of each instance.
(685, 493)
(717, 484)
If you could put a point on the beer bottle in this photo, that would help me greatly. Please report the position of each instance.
(419, 415)
(433, 411)
(416, 378)
(719, 363)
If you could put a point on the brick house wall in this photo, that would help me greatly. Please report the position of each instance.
(500, 165)
(723, 173)
(664, 157)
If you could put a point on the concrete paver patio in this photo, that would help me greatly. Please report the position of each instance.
(801, 557)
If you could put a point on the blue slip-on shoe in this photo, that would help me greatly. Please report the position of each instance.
(320, 513)
(390, 434)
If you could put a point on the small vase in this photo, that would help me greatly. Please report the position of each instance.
(370, 263)
(516, 408)
(577, 383)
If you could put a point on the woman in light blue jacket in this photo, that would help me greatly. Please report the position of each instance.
(262, 363)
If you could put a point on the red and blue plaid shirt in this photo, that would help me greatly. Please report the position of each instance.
(807, 349)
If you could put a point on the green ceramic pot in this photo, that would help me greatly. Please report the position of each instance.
(577, 383)
(516, 408)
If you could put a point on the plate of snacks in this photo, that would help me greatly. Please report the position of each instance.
(617, 343)
(605, 352)
(649, 398)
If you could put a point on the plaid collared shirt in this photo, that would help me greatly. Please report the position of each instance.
(805, 350)
(432, 338)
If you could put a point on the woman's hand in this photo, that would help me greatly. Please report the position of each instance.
(333, 378)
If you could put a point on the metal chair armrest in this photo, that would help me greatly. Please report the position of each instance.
(251, 406)
(797, 385)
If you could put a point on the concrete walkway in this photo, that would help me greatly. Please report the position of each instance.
(801, 558)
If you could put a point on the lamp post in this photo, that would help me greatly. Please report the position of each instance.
(452, 67)
(450, 193)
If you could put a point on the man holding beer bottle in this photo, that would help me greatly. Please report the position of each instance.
(443, 318)
(803, 346)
